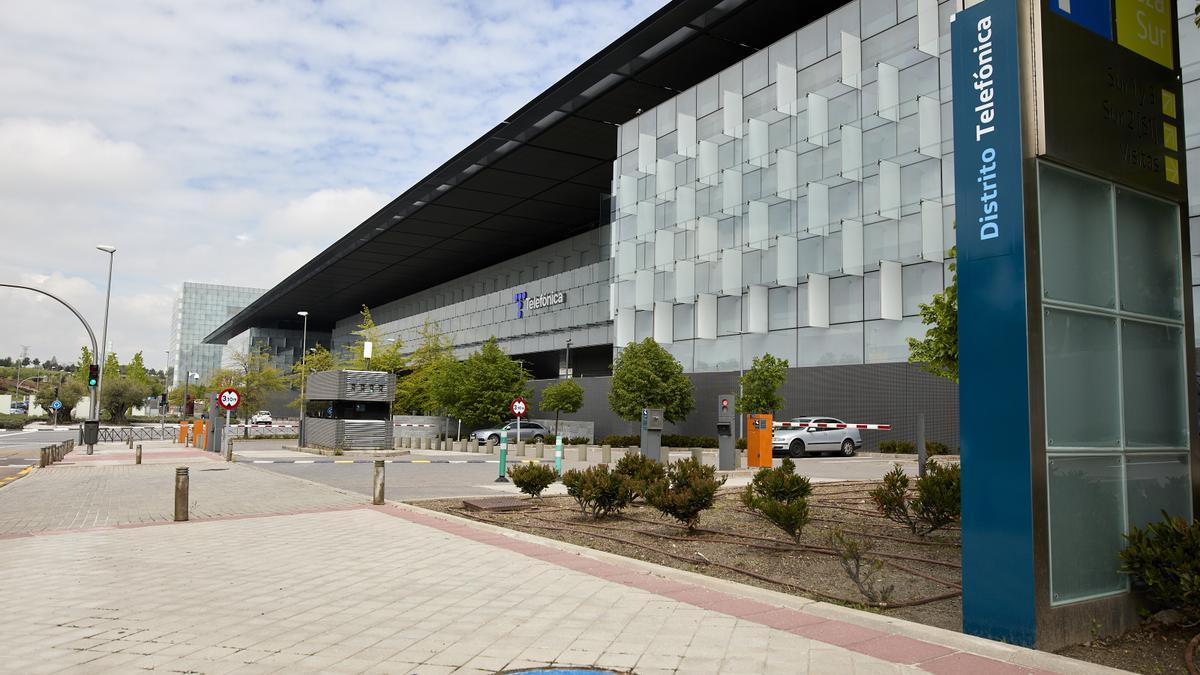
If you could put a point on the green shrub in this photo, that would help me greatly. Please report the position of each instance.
(937, 502)
(740, 443)
(532, 478)
(689, 489)
(781, 496)
(1164, 558)
(933, 448)
(898, 447)
(866, 573)
(641, 472)
(598, 490)
(13, 421)
(668, 441)
(576, 440)
(620, 441)
(791, 517)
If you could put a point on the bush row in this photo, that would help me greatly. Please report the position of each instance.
(668, 441)
(13, 421)
(898, 447)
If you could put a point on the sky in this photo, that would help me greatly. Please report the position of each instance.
(229, 142)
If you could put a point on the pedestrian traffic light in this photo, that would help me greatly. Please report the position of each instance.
(93, 375)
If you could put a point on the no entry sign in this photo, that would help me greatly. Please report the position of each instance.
(229, 399)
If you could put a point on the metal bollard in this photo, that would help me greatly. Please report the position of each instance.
(137, 454)
(377, 493)
(181, 493)
(229, 450)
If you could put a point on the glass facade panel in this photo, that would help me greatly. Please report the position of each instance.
(1148, 256)
(1153, 369)
(1077, 238)
(1157, 483)
(1083, 559)
(1082, 406)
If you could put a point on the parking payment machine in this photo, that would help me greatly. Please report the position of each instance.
(652, 424)
(758, 440)
(726, 452)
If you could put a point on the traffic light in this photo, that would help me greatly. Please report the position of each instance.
(93, 375)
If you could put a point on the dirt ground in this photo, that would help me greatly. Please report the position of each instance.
(736, 544)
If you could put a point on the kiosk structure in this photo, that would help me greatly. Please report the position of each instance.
(350, 410)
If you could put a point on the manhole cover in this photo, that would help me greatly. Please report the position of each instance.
(496, 504)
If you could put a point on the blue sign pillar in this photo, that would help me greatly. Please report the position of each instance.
(998, 566)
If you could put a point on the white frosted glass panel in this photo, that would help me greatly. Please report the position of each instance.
(685, 281)
(781, 308)
(624, 326)
(732, 119)
(1077, 238)
(929, 113)
(664, 248)
(664, 322)
(627, 197)
(644, 289)
(927, 26)
(1148, 255)
(1153, 377)
(920, 283)
(830, 346)
(685, 205)
(643, 325)
(1157, 483)
(787, 179)
(852, 153)
(647, 145)
(887, 341)
(786, 261)
(818, 208)
(756, 311)
(1083, 560)
(852, 247)
(723, 354)
(932, 246)
(818, 119)
(891, 293)
(1081, 367)
(731, 272)
(685, 135)
(758, 226)
(758, 150)
(851, 60)
(888, 92)
(706, 316)
(645, 220)
(818, 301)
(729, 315)
(785, 89)
(626, 255)
(664, 177)
(684, 327)
(706, 235)
(707, 163)
(889, 190)
(731, 192)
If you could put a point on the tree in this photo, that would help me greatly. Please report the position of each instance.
(111, 367)
(69, 393)
(318, 360)
(760, 385)
(418, 392)
(136, 370)
(85, 362)
(386, 356)
(562, 397)
(479, 390)
(196, 391)
(646, 376)
(119, 395)
(255, 378)
(937, 353)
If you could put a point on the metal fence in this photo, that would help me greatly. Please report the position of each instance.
(126, 434)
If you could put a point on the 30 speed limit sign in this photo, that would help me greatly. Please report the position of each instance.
(229, 399)
(518, 407)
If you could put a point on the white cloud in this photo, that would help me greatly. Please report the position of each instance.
(231, 141)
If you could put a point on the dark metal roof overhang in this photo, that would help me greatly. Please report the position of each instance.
(538, 176)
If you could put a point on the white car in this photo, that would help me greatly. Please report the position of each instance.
(804, 440)
(262, 417)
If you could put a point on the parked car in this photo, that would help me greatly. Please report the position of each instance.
(18, 408)
(262, 417)
(802, 441)
(530, 432)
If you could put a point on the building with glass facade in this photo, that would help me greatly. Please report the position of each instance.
(197, 311)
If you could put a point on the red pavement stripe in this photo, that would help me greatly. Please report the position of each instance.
(960, 662)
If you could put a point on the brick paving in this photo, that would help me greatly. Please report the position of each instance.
(347, 587)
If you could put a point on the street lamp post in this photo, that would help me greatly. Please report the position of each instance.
(303, 371)
(101, 358)
(568, 369)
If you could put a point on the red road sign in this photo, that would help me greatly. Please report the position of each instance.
(518, 407)
(229, 399)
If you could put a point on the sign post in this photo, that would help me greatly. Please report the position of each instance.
(228, 399)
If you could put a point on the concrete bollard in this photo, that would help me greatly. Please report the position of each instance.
(377, 493)
(606, 454)
(490, 445)
(539, 450)
(229, 450)
(698, 455)
(44, 458)
(181, 493)
(474, 445)
(520, 448)
(137, 454)
(428, 443)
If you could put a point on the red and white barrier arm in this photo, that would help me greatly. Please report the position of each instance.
(828, 425)
(410, 424)
(264, 426)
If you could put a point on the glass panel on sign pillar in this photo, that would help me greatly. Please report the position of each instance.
(1154, 379)
(1081, 368)
(1148, 255)
(1157, 483)
(1077, 238)
(1083, 560)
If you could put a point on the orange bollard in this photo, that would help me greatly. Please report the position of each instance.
(758, 440)
(202, 439)
(183, 432)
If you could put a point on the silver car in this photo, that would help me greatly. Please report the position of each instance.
(530, 432)
(802, 441)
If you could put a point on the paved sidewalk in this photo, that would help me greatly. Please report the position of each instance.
(346, 587)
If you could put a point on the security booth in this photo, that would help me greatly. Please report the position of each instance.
(759, 429)
(349, 410)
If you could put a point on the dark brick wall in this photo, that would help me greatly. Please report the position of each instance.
(890, 393)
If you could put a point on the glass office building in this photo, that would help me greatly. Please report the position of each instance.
(197, 311)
